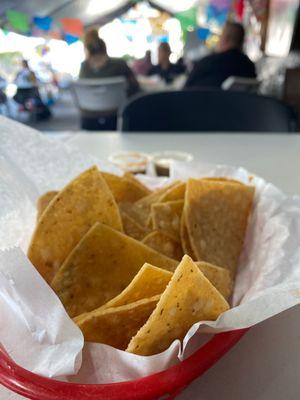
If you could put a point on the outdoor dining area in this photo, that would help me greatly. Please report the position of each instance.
(149, 200)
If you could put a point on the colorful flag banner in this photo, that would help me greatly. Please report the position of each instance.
(214, 14)
(72, 26)
(203, 33)
(239, 8)
(43, 23)
(18, 21)
(55, 35)
(221, 4)
(187, 19)
(70, 39)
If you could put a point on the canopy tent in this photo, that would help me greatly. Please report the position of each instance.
(89, 11)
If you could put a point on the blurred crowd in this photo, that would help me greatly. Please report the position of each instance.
(228, 59)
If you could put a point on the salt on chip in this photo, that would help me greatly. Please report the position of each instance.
(166, 217)
(124, 189)
(100, 267)
(44, 201)
(115, 326)
(174, 193)
(164, 244)
(188, 298)
(84, 201)
(132, 227)
(216, 216)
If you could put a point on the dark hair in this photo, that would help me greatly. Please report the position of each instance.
(93, 43)
(235, 33)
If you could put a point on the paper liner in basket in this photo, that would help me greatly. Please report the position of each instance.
(39, 335)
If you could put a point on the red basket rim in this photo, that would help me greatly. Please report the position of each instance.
(170, 381)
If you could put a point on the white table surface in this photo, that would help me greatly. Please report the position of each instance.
(274, 157)
(265, 364)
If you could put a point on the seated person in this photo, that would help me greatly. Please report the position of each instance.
(25, 78)
(143, 66)
(165, 69)
(99, 65)
(229, 60)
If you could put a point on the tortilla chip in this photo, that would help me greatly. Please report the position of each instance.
(216, 215)
(148, 282)
(132, 178)
(219, 277)
(164, 244)
(222, 179)
(44, 201)
(115, 326)
(102, 265)
(124, 189)
(166, 218)
(174, 193)
(84, 201)
(188, 298)
(185, 240)
(142, 207)
(133, 228)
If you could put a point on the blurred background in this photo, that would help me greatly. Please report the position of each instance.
(41, 46)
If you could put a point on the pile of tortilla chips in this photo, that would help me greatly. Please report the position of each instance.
(136, 268)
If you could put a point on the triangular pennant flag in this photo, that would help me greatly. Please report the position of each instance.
(203, 33)
(187, 19)
(18, 21)
(70, 39)
(72, 26)
(43, 23)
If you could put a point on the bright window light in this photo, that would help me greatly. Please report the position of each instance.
(175, 6)
(102, 7)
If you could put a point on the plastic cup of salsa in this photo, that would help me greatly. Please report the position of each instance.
(162, 160)
(130, 161)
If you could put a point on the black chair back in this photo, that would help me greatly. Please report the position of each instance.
(206, 111)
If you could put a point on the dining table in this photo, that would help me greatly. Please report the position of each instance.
(265, 363)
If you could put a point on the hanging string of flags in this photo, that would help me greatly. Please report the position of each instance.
(71, 29)
(68, 29)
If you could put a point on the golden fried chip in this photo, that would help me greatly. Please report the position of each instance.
(44, 201)
(188, 298)
(131, 177)
(174, 193)
(115, 326)
(185, 240)
(142, 207)
(219, 277)
(84, 201)
(222, 179)
(124, 189)
(148, 282)
(216, 215)
(166, 218)
(102, 265)
(133, 228)
(164, 244)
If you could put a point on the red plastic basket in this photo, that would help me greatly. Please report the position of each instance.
(166, 383)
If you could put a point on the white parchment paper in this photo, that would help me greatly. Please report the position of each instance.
(39, 335)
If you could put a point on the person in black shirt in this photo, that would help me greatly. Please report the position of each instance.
(165, 69)
(229, 60)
